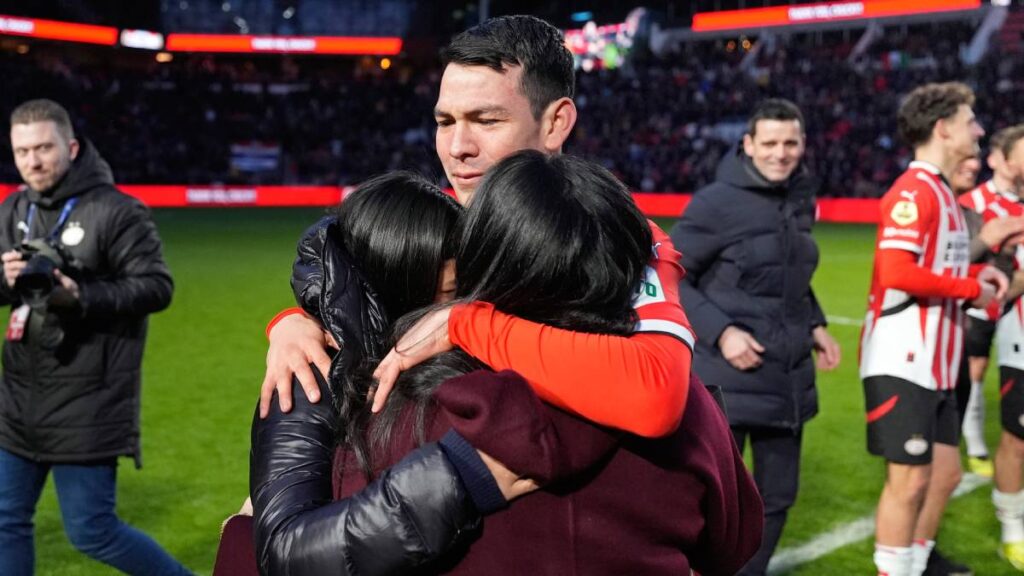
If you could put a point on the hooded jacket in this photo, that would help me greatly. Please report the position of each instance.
(749, 258)
(70, 386)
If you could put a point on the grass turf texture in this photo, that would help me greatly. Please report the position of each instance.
(205, 360)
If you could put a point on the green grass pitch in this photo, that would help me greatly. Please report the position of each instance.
(205, 360)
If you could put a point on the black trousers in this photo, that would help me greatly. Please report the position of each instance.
(777, 475)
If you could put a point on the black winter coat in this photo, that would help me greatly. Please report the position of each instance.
(79, 401)
(749, 257)
(408, 517)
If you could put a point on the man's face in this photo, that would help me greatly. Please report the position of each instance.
(963, 131)
(965, 178)
(482, 117)
(776, 148)
(1015, 163)
(41, 154)
(997, 162)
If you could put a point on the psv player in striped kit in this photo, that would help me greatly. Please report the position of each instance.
(913, 333)
(1008, 492)
(985, 204)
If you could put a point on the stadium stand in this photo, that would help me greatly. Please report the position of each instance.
(659, 123)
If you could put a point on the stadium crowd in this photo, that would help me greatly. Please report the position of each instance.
(659, 124)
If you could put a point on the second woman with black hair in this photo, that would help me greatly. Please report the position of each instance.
(558, 241)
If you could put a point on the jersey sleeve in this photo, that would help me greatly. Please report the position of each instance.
(657, 301)
(907, 217)
(899, 270)
(638, 384)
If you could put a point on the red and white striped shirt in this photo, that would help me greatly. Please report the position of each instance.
(990, 203)
(917, 338)
(1009, 337)
(978, 199)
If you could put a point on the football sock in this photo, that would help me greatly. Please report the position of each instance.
(1010, 512)
(974, 422)
(893, 560)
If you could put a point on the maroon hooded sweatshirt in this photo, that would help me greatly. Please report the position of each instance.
(611, 503)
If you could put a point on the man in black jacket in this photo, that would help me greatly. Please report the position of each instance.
(82, 270)
(749, 257)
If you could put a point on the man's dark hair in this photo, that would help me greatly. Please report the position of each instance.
(538, 47)
(775, 109)
(926, 105)
(43, 110)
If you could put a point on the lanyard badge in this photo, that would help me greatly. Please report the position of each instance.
(16, 325)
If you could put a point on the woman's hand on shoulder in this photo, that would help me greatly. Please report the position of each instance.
(427, 338)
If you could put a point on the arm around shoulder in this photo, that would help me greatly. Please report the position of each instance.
(411, 515)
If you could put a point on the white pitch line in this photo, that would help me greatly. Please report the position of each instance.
(824, 544)
(844, 321)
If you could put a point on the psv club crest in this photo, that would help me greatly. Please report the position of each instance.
(72, 234)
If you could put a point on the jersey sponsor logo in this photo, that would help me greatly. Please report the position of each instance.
(72, 234)
(916, 446)
(904, 213)
(650, 290)
(894, 232)
(909, 195)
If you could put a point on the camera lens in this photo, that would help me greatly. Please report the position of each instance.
(36, 281)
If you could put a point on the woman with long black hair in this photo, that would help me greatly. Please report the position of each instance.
(557, 241)
(387, 250)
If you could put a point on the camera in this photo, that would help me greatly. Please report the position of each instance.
(36, 281)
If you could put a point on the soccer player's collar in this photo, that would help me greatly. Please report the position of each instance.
(1004, 194)
(928, 166)
(931, 169)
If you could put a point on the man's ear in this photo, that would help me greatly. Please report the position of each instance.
(556, 124)
(940, 130)
(748, 145)
(73, 148)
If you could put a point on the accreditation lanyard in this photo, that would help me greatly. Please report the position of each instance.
(61, 220)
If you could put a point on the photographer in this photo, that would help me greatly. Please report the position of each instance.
(82, 269)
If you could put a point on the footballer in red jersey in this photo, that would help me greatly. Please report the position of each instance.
(912, 338)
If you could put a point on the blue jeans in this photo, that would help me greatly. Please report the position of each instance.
(86, 497)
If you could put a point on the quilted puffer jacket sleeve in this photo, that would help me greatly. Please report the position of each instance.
(140, 282)
(404, 519)
(329, 287)
(307, 270)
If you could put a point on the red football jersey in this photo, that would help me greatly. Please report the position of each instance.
(919, 339)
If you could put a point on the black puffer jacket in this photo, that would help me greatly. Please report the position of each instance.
(403, 520)
(80, 400)
(749, 257)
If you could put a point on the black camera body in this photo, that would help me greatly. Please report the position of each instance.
(36, 281)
